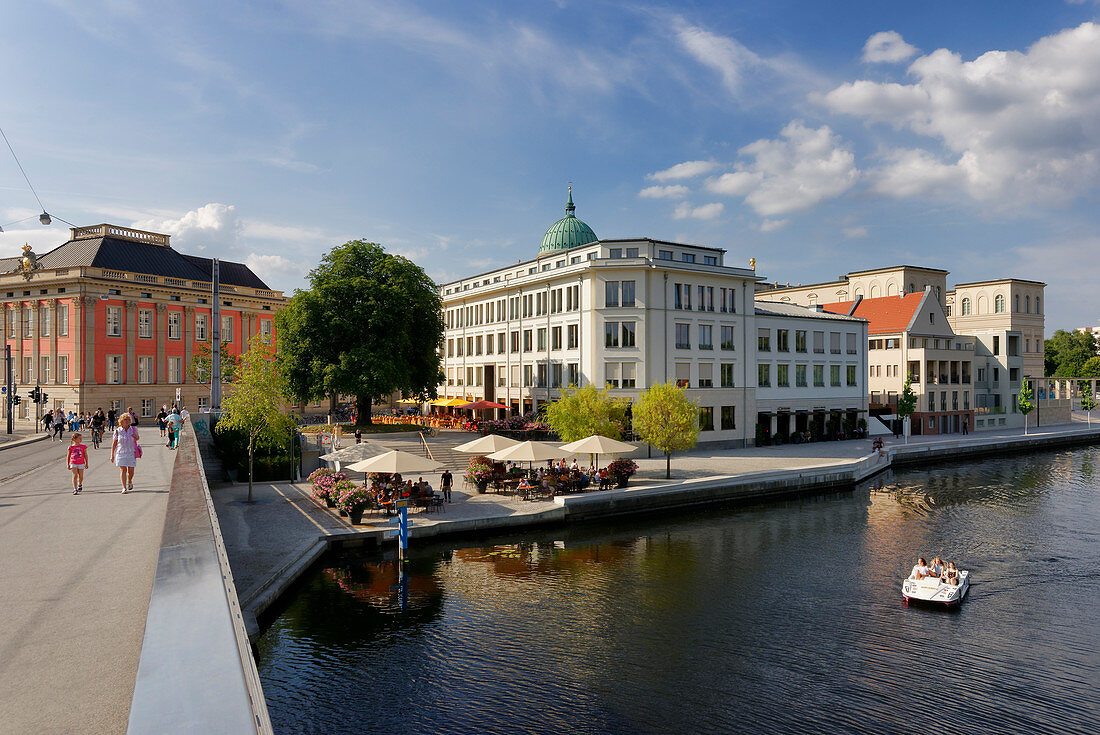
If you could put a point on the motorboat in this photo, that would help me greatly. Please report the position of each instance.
(934, 589)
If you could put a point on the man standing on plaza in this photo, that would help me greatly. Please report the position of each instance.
(445, 482)
(174, 422)
(112, 418)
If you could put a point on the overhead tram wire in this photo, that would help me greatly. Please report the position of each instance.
(45, 217)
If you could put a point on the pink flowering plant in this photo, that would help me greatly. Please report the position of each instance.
(479, 471)
(352, 498)
(622, 469)
(324, 483)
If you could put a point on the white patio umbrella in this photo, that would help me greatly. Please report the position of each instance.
(486, 444)
(354, 453)
(529, 452)
(396, 461)
(598, 445)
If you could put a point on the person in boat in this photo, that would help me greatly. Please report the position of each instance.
(921, 570)
(936, 569)
(951, 574)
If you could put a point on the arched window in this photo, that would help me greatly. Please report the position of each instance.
(874, 291)
(891, 289)
(999, 304)
(1037, 309)
(912, 288)
(1027, 304)
(1017, 309)
(966, 307)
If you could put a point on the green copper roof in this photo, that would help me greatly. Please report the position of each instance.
(568, 232)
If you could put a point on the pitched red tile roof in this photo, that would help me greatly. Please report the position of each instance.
(885, 315)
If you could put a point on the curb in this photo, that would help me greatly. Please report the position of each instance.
(22, 442)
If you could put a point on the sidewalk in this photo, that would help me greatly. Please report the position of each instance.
(74, 588)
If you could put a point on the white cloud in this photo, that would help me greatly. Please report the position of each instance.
(267, 231)
(1017, 127)
(771, 225)
(675, 191)
(736, 184)
(273, 267)
(685, 170)
(795, 172)
(887, 47)
(855, 232)
(707, 211)
(212, 225)
(725, 55)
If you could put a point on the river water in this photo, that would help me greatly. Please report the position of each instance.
(786, 617)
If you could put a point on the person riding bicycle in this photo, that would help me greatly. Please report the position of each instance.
(99, 422)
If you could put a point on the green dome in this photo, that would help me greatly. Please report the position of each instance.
(568, 232)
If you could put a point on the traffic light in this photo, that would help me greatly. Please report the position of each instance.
(34, 395)
(42, 398)
(15, 400)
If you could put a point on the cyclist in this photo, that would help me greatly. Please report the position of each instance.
(99, 421)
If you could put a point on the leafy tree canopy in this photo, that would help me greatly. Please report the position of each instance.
(1066, 353)
(582, 412)
(665, 418)
(203, 358)
(255, 406)
(907, 401)
(369, 325)
(1091, 368)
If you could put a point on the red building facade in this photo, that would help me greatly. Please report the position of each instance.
(114, 316)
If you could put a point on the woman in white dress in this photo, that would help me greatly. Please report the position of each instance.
(123, 450)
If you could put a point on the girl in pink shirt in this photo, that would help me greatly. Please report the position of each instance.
(77, 461)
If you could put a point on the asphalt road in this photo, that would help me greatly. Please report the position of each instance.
(75, 577)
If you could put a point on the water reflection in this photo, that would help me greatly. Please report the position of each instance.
(785, 617)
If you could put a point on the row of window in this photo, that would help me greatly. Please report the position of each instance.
(175, 321)
(999, 305)
(145, 369)
(61, 376)
(783, 341)
(44, 325)
(488, 345)
(681, 298)
(783, 376)
(954, 400)
(728, 416)
(614, 253)
(536, 303)
(706, 337)
(541, 375)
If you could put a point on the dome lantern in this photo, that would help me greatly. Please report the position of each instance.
(568, 232)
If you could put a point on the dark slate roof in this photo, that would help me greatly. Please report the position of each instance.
(117, 254)
(233, 274)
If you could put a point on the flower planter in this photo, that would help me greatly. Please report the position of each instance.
(343, 514)
(482, 487)
(621, 481)
(330, 503)
(356, 516)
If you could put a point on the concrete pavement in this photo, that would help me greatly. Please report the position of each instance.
(74, 585)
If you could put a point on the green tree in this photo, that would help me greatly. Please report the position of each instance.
(1090, 368)
(1025, 402)
(666, 419)
(369, 325)
(203, 358)
(255, 407)
(1088, 402)
(582, 412)
(907, 404)
(1066, 353)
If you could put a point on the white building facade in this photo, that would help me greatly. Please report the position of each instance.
(626, 314)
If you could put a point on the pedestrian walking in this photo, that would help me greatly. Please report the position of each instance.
(445, 482)
(174, 422)
(77, 461)
(133, 416)
(966, 424)
(125, 451)
(162, 420)
(47, 422)
(112, 419)
(59, 424)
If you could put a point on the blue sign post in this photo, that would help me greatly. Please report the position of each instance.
(402, 532)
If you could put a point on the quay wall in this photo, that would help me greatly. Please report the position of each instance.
(196, 672)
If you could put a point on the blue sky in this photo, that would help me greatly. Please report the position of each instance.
(816, 137)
